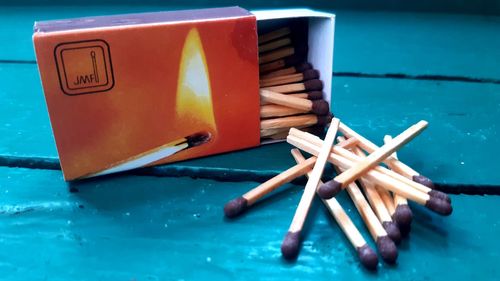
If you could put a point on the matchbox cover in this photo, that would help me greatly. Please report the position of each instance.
(143, 89)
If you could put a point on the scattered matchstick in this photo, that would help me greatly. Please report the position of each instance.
(237, 206)
(310, 85)
(366, 255)
(329, 189)
(432, 203)
(290, 78)
(397, 165)
(319, 107)
(290, 246)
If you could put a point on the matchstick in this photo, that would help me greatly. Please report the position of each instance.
(310, 85)
(398, 166)
(274, 35)
(366, 255)
(314, 95)
(294, 121)
(237, 206)
(402, 214)
(385, 245)
(319, 107)
(378, 205)
(301, 67)
(283, 53)
(281, 63)
(156, 154)
(290, 245)
(290, 78)
(275, 44)
(332, 187)
(274, 110)
(434, 204)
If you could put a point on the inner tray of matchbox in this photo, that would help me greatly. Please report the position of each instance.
(291, 89)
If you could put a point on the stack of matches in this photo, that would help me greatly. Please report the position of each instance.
(290, 89)
(379, 193)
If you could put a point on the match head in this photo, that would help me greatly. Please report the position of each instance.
(387, 249)
(235, 207)
(440, 195)
(329, 189)
(403, 217)
(198, 138)
(290, 245)
(313, 85)
(392, 231)
(320, 107)
(423, 181)
(315, 95)
(368, 257)
(301, 67)
(324, 120)
(439, 206)
(310, 74)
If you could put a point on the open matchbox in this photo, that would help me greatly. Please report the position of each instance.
(137, 90)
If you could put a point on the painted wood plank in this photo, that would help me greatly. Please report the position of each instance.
(461, 137)
(365, 42)
(149, 228)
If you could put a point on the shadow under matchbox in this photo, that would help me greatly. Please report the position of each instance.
(137, 90)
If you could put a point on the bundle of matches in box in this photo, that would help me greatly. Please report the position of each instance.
(290, 89)
(380, 193)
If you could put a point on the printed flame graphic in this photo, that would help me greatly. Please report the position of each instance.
(194, 98)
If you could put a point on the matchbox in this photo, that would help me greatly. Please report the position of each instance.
(137, 90)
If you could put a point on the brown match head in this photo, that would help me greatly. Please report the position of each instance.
(439, 206)
(440, 195)
(392, 231)
(301, 67)
(320, 107)
(329, 189)
(310, 74)
(368, 257)
(324, 120)
(423, 181)
(198, 139)
(235, 207)
(403, 217)
(315, 95)
(387, 249)
(290, 245)
(313, 85)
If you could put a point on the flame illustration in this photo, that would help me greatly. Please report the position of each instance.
(194, 97)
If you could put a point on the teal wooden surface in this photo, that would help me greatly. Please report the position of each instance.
(365, 42)
(149, 228)
(462, 136)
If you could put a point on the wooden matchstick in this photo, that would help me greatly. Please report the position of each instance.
(281, 63)
(275, 44)
(301, 67)
(319, 107)
(310, 85)
(366, 254)
(332, 187)
(290, 245)
(274, 35)
(397, 165)
(237, 206)
(294, 121)
(435, 204)
(290, 78)
(282, 53)
(402, 213)
(274, 110)
(282, 133)
(314, 95)
(385, 245)
(378, 205)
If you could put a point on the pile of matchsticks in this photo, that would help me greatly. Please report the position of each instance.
(290, 89)
(380, 194)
